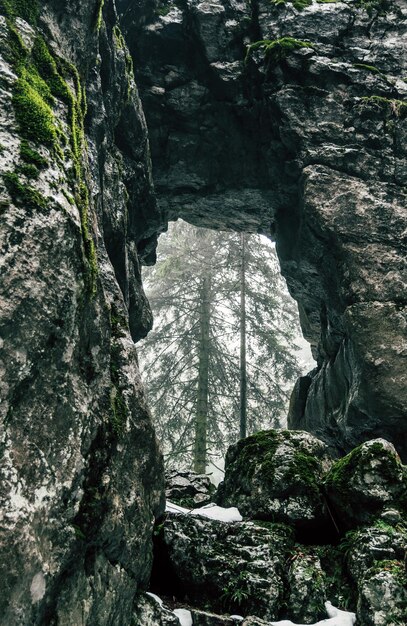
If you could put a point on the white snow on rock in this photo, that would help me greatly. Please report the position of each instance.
(211, 510)
(336, 618)
(184, 616)
(156, 598)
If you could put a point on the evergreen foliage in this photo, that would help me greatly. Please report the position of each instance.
(199, 271)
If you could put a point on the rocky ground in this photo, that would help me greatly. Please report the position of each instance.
(314, 529)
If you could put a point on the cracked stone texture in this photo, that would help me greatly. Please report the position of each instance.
(228, 568)
(291, 149)
(276, 475)
(79, 494)
(294, 148)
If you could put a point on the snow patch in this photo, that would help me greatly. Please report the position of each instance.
(38, 587)
(337, 618)
(154, 597)
(184, 616)
(211, 510)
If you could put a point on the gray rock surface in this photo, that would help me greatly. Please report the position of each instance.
(188, 489)
(227, 567)
(276, 475)
(376, 563)
(307, 145)
(81, 474)
(368, 480)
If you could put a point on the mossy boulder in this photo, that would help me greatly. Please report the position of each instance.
(375, 563)
(224, 567)
(365, 482)
(276, 475)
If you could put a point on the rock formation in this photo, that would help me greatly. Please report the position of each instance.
(292, 123)
(272, 568)
(261, 117)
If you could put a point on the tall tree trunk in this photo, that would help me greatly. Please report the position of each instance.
(243, 365)
(201, 418)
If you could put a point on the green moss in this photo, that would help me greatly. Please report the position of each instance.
(395, 107)
(28, 10)
(47, 68)
(297, 4)
(118, 38)
(29, 170)
(34, 116)
(277, 49)
(30, 156)
(307, 469)
(368, 68)
(341, 472)
(23, 195)
(261, 445)
(41, 80)
(99, 14)
(15, 51)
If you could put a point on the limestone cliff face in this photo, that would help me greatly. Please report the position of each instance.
(303, 141)
(300, 136)
(81, 474)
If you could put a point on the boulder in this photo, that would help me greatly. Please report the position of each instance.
(307, 588)
(365, 482)
(236, 568)
(383, 595)
(204, 618)
(188, 489)
(375, 558)
(276, 475)
(149, 610)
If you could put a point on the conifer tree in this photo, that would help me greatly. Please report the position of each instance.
(220, 361)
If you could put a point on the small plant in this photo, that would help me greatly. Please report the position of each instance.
(277, 49)
(236, 592)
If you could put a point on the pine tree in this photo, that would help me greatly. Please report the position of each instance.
(221, 357)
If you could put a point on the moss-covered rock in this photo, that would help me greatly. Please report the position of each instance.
(364, 482)
(383, 595)
(226, 568)
(275, 475)
(374, 558)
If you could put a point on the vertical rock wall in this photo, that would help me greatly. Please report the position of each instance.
(81, 474)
